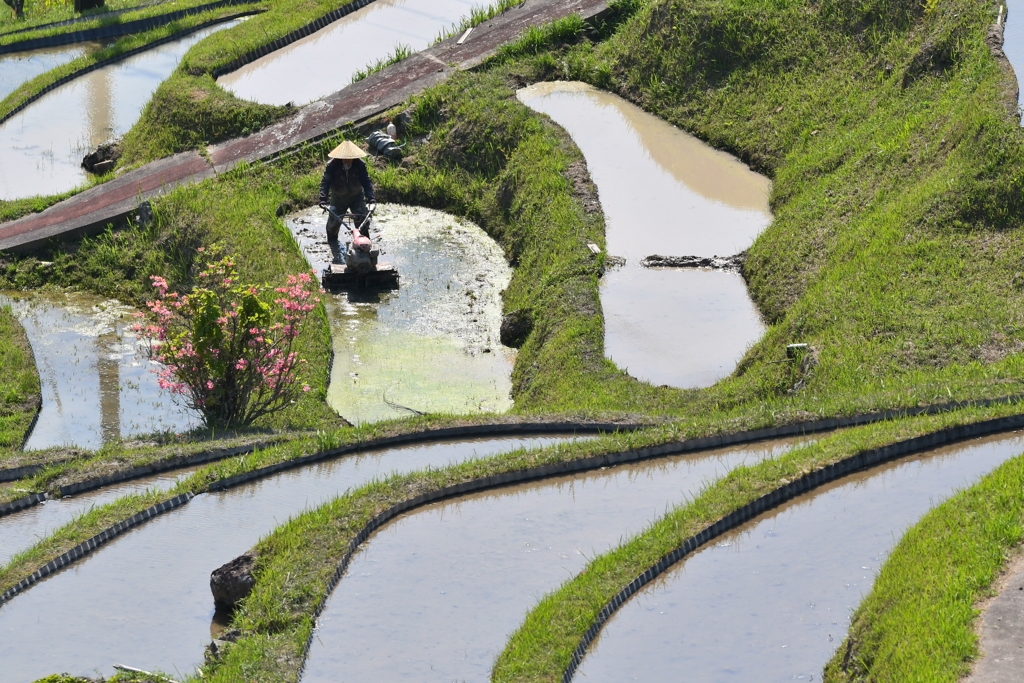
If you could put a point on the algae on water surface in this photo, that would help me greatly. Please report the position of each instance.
(432, 345)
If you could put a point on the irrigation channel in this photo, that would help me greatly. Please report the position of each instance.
(97, 385)
(19, 67)
(432, 345)
(664, 192)
(41, 147)
(144, 599)
(326, 61)
(434, 595)
(772, 599)
(21, 530)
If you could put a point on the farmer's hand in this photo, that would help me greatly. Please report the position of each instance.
(323, 205)
(371, 206)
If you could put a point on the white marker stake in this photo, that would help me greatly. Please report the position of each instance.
(464, 36)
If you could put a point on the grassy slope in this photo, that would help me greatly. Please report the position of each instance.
(19, 383)
(541, 648)
(917, 623)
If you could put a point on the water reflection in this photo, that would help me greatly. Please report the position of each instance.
(325, 61)
(772, 601)
(96, 384)
(432, 345)
(664, 192)
(19, 67)
(41, 147)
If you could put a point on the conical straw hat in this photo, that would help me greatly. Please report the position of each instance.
(347, 150)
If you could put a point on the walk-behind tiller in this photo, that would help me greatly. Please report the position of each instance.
(359, 268)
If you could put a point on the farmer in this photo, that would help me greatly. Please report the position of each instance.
(348, 185)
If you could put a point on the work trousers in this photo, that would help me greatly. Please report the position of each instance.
(354, 204)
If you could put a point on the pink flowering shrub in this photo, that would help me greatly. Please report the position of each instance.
(227, 348)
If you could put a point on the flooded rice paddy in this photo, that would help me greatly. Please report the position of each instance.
(144, 599)
(97, 385)
(21, 530)
(664, 192)
(324, 62)
(772, 600)
(1013, 36)
(41, 147)
(433, 344)
(434, 595)
(19, 67)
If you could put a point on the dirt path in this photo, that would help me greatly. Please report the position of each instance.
(93, 209)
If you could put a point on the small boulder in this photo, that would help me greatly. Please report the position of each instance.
(232, 582)
(103, 158)
(516, 327)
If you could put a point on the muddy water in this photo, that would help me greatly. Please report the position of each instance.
(432, 345)
(144, 599)
(20, 67)
(664, 192)
(772, 601)
(434, 595)
(41, 147)
(324, 62)
(96, 383)
(21, 530)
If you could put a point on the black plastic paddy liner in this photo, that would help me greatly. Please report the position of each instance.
(114, 30)
(125, 55)
(96, 541)
(289, 38)
(86, 547)
(808, 482)
(123, 475)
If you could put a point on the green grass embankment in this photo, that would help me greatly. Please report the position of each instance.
(541, 648)
(37, 12)
(19, 383)
(917, 623)
(122, 45)
(297, 560)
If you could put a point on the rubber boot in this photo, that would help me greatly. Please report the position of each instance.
(335, 248)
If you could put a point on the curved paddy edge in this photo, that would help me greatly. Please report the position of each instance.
(280, 612)
(107, 61)
(555, 635)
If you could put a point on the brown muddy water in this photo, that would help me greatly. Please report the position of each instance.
(42, 146)
(433, 596)
(144, 598)
(432, 345)
(772, 600)
(324, 62)
(664, 192)
(20, 67)
(21, 530)
(97, 384)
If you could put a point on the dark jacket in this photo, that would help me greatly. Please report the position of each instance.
(345, 183)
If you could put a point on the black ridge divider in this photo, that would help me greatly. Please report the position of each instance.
(90, 17)
(88, 546)
(114, 30)
(124, 55)
(125, 475)
(808, 482)
(289, 38)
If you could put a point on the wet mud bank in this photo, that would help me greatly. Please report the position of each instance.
(772, 598)
(95, 380)
(665, 192)
(43, 144)
(325, 62)
(441, 588)
(433, 345)
(125, 593)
